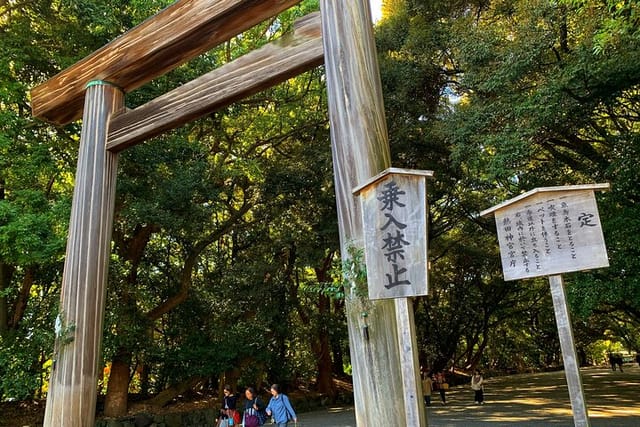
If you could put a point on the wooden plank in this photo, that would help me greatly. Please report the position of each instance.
(170, 38)
(569, 355)
(245, 76)
(388, 171)
(394, 213)
(551, 233)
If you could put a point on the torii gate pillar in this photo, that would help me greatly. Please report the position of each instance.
(360, 151)
(71, 401)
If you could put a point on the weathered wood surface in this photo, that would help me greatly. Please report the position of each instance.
(550, 232)
(394, 213)
(411, 381)
(569, 356)
(361, 151)
(247, 75)
(491, 210)
(170, 38)
(71, 400)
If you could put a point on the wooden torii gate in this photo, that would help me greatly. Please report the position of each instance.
(170, 38)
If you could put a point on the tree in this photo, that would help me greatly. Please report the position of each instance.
(242, 151)
(546, 104)
(36, 166)
(516, 95)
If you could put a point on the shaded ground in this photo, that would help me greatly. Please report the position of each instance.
(530, 400)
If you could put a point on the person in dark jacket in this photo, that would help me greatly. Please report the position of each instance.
(229, 402)
(254, 414)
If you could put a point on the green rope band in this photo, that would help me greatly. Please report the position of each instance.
(101, 82)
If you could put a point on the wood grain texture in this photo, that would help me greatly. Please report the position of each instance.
(249, 74)
(71, 400)
(170, 38)
(569, 356)
(361, 151)
(550, 233)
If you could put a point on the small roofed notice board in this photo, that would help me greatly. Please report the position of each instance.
(394, 214)
(550, 230)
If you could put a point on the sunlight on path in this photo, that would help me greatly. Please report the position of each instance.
(531, 400)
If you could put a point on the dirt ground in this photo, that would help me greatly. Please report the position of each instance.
(528, 400)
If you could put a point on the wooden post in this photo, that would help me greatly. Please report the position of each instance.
(71, 400)
(409, 364)
(361, 151)
(570, 360)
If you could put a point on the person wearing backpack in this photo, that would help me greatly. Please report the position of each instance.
(280, 408)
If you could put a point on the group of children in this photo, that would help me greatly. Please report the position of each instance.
(255, 413)
(438, 382)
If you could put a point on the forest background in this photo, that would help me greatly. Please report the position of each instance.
(225, 264)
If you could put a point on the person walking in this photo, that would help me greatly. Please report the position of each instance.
(427, 388)
(253, 409)
(478, 387)
(442, 386)
(228, 410)
(279, 407)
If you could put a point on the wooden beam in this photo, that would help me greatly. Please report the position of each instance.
(249, 74)
(175, 35)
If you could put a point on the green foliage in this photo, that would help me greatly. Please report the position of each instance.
(225, 231)
(354, 276)
(25, 352)
(531, 94)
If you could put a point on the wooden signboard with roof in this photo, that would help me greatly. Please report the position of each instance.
(546, 232)
(550, 230)
(394, 214)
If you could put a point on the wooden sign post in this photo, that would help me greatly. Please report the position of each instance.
(394, 214)
(545, 232)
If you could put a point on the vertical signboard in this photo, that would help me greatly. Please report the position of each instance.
(394, 213)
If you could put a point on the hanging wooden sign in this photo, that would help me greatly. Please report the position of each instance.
(550, 230)
(394, 214)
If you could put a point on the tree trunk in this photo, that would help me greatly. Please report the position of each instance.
(116, 400)
(6, 273)
(325, 367)
(336, 344)
(20, 305)
(5, 280)
(321, 347)
(115, 404)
